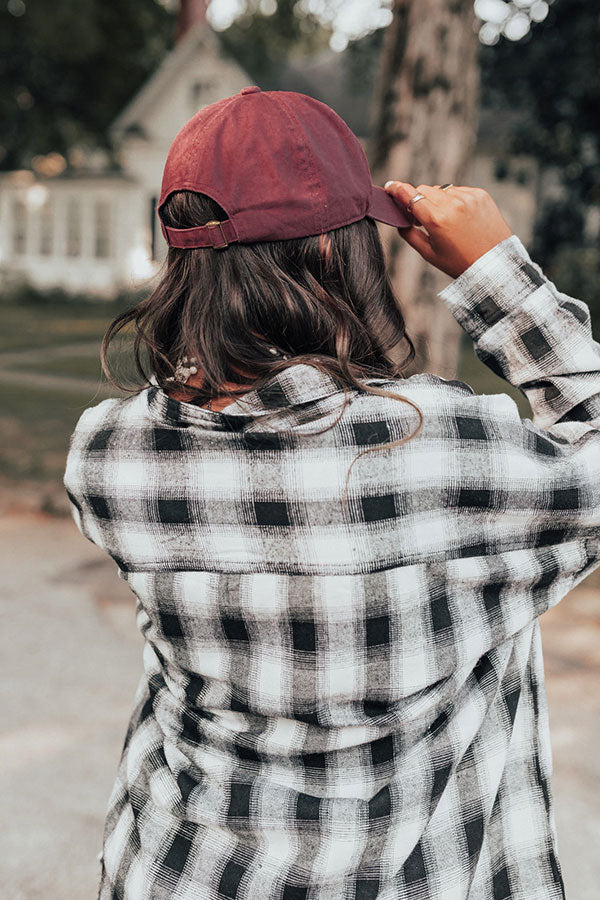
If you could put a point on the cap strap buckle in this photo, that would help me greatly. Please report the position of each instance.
(213, 224)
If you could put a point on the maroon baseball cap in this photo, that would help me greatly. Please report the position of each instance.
(281, 164)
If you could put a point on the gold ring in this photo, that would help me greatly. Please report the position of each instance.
(444, 187)
(415, 199)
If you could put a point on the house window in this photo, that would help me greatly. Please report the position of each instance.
(196, 91)
(19, 226)
(73, 227)
(199, 92)
(46, 228)
(102, 246)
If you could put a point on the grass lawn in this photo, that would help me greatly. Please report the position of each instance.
(28, 326)
(36, 425)
(74, 366)
(88, 366)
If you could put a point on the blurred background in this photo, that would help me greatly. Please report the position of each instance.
(504, 95)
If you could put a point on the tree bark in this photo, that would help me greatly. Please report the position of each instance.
(426, 108)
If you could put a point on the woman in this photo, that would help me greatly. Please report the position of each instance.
(339, 571)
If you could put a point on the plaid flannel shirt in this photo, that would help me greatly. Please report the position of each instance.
(348, 703)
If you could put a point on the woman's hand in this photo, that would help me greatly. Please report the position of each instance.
(462, 223)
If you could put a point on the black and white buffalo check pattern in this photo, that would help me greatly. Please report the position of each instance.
(348, 703)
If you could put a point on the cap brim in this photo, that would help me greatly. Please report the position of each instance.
(385, 209)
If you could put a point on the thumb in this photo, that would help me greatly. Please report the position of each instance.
(418, 239)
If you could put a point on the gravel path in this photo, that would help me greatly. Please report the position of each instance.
(72, 657)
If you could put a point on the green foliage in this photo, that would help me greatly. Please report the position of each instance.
(67, 69)
(576, 271)
(262, 44)
(361, 61)
(35, 318)
(37, 423)
(553, 77)
(558, 222)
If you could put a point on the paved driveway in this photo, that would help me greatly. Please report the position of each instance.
(72, 659)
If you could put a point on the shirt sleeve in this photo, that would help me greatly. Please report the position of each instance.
(540, 341)
(77, 472)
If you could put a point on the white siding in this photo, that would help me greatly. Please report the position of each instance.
(59, 239)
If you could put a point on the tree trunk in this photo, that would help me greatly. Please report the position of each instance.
(424, 126)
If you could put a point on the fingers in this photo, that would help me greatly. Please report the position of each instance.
(423, 210)
(417, 239)
(454, 226)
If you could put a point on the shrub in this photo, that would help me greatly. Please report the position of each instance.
(576, 271)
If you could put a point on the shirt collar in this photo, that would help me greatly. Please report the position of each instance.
(286, 391)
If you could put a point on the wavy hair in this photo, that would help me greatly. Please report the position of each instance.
(324, 300)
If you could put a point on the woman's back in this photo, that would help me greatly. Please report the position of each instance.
(347, 700)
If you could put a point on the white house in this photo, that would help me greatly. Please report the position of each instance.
(78, 232)
(95, 229)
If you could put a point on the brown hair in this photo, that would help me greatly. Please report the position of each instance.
(324, 300)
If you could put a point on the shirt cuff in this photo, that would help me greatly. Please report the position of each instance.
(493, 286)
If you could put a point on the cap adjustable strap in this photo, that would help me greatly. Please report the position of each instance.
(212, 234)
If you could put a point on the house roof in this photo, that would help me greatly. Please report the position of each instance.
(199, 37)
(323, 76)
